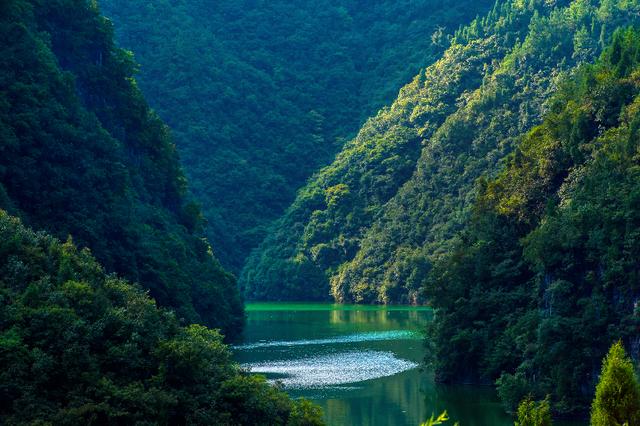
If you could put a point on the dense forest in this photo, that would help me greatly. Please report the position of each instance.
(545, 274)
(83, 158)
(83, 155)
(501, 187)
(367, 227)
(261, 93)
(78, 346)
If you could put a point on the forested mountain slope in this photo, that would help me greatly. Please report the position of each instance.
(546, 274)
(261, 93)
(83, 155)
(78, 346)
(367, 228)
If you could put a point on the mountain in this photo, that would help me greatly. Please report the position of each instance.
(368, 227)
(544, 277)
(79, 346)
(83, 155)
(260, 94)
(501, 188)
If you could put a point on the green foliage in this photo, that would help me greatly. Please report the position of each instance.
(305, 413)
(532, 413)
(441, 419)
(373, 165)
(617, 400)
(544, 274)
(502, 187)
(79, 346)
(411, 171)
(83, 155)
(262, 93)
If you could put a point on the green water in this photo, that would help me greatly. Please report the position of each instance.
(360, 363)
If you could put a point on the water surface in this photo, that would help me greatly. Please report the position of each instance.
(360, 363)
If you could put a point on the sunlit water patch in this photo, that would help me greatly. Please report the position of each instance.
(359, 363)
(334, 369)
(374, 336)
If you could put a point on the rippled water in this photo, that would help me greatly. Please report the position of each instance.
(334, 369)
(360, 363)
(350, 338)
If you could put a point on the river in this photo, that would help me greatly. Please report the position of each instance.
(361, 364)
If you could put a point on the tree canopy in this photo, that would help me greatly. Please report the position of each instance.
(544, 276)
(83, 155)
(260, 94)
(411, 171)
(80, 346)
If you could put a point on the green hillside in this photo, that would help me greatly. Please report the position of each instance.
(79, 346)
(494, 186)
(83, 155)
(260, 94)
(406, 183)
(545, 275)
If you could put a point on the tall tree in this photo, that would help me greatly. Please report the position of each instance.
(617, 401)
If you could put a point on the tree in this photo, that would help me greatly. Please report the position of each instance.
(81, 346)
(532, 413)
(617, 401)
(107, 171)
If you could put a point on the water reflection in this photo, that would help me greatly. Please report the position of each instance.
(359, 364)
